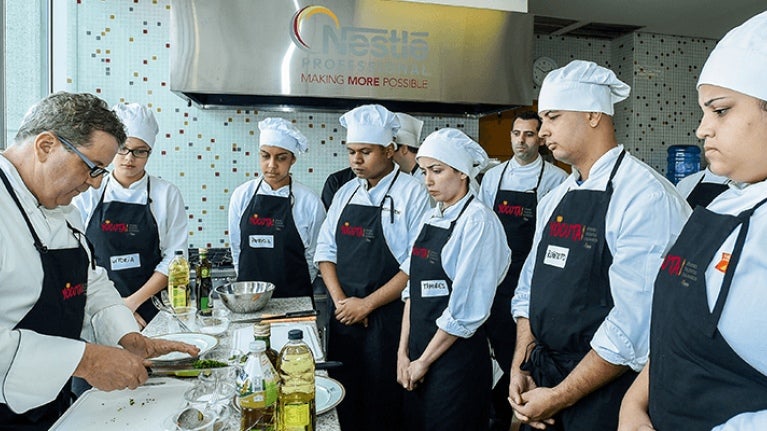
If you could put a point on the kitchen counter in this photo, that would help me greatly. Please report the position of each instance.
(162, 322)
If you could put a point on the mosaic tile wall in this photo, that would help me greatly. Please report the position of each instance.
(119, 50)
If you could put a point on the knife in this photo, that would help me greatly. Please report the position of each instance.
(194, 372)
(288, 315)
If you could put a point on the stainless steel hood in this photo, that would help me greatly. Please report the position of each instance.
(336, 54)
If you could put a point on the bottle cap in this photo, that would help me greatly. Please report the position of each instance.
(202, 250)
(257, 346)
(263, 329)
(295, 334)
(178, 252)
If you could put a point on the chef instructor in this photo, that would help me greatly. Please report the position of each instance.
(134, 220)
(366, 236)
(53, 294)
(583, 300)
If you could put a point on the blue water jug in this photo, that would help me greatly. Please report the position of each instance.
(683, 160)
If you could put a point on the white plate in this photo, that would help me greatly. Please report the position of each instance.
(328, 393)
(204, 342)
(144, 408)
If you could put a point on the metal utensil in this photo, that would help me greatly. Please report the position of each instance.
(160, 306)
(267, 317)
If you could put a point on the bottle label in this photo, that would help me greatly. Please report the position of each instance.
(204, 272)
(297, 415)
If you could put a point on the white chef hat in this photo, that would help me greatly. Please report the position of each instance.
(139, 122)
(582, 86)
(370, 124)
(739, 60)
(279, 132)
(410, 130)
(454, 148)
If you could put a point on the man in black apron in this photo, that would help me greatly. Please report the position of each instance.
(46, 302)
(515, 205)
(590, 268)
(357, 259)
(278, 208)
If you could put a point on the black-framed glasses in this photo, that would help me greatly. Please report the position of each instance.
(95, 170)
(139, 153)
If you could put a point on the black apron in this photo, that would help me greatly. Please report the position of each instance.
(696, 380)
(704, 193)
(516, 210)
(59, 311)
(126, 239)
(364, 263)
(569, 299)
(271, 248)
(455, 392)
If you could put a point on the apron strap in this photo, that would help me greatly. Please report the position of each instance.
(540, 176)
(716, 314)
(38, 244)
(503, 172)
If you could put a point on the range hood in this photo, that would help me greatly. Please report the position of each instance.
(332, 55)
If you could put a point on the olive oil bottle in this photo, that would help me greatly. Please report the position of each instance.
(296, 409)
(178, 281)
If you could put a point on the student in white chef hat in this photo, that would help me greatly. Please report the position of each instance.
(152, 207)
(274, 220)
(585, 290)
(408, 139)
(370, 226)
(708, 367)
(457, 260)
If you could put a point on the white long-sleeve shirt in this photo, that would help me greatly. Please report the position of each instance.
(34, 367)
(410, 200)
(521, 179)
(167, 207)
(644, 218)
(475, 258)
(308, 215)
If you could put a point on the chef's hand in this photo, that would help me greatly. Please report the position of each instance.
(111, 368)
(152, 347)
(353, 310)
(537, 407)
(403, 375)
(417, 371)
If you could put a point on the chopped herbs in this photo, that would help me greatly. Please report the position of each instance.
(209, 363)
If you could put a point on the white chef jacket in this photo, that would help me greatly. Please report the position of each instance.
(410, 202)
(644, 218)
(520, 179)
(744, 314)
(476, 258)
(686, 185)
(308, 214)
(167, 207)
(34, 367)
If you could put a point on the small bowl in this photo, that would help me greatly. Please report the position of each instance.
(245, 296)
(213, 323)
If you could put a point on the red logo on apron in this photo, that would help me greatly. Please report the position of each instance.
(70, 291)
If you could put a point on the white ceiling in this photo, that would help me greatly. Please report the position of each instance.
(695, 18)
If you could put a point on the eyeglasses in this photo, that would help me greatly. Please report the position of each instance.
(95, 170)
(139, 153)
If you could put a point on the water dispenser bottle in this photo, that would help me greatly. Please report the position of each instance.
(683, 160)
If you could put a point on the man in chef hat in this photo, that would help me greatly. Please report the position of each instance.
(365, 238)
(153, 208)
(263, 251)
(707, 367)
(408, 139)
(583, 299)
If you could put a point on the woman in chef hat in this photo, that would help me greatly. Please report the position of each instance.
(274, 220)
(457, 261)
(134, 220)
(708, 366)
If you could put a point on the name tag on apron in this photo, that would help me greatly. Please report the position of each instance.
(556, 256)
(125, 261)
(434, 288)
(261, 241)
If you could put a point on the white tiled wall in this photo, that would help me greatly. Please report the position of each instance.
(119, 49)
